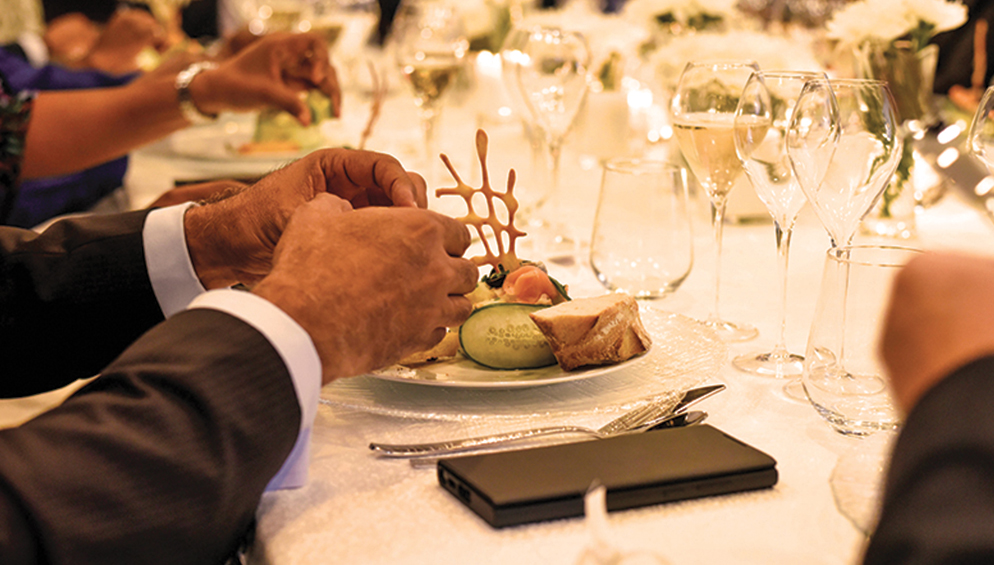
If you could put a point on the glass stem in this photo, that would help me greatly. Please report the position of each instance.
(555, 156)
(429, 123)
(718, 224)
(844, 254)
(783, 257)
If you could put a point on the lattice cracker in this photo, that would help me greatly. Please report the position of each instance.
(505, 257)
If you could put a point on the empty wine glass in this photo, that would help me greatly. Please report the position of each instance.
(431, 43)
(704, 105)
(511, 57)
(844, 145)
(761, 121)
(980, 140)
(552, 77)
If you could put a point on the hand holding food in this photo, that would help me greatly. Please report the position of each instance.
(370, 285)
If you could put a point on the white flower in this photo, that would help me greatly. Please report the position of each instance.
(887, 20)
(943, 15)
(770, 51)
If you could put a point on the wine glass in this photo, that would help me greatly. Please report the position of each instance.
(704, 106)
(430, 46)
(844, 145)
(761, 121)
(552, 77)
(980, 140)
(511, 57)
(347, 26)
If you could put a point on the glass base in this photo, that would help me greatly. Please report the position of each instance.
(794, 390)
(779, 365)
(730, 331)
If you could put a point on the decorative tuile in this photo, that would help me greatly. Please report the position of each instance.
(505, 257)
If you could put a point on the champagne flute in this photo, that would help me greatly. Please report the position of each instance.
(761, 121)
(843, 144)
(704, 105)
(431, 43)
(552, 76)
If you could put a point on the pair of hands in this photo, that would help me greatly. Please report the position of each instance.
(940, 317)
(73, 40)
(339, 240)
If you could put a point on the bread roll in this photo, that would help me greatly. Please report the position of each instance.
(593, 331)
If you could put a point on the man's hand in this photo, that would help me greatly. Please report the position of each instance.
(271, 72)
(370, 286)
(940, 317)
(233, 240)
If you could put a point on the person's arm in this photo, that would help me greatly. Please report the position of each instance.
(939, 503)
(162, 459)
(72, 298)
(938, 348)
(73, 130)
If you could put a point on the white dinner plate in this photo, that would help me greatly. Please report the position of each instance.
(219, 141)
(684, 353)
(464, 373)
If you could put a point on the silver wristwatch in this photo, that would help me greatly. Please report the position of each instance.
(186, 105)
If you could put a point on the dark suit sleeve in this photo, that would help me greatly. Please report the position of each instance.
(163, 459)
(939, 501)
(71, 299)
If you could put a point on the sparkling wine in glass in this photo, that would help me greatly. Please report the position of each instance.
(552, 75)
(761, 121)
(704, 106)
(431, 44)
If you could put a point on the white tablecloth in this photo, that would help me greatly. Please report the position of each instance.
(357, 508)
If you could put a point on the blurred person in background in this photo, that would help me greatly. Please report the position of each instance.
(938, 347)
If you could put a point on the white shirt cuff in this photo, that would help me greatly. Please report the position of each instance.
(167, 258)
(297, 350)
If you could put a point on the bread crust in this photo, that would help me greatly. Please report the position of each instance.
(594, 331)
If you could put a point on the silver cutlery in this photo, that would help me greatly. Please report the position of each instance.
(678, 420)
(638, 419)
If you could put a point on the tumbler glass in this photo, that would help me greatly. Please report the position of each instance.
(642, 242)
(843, 379)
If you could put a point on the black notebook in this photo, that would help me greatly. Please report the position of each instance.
(529, 485)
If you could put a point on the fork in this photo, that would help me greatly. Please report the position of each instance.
(647, 415)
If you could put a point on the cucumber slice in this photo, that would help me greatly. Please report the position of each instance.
(502, 336)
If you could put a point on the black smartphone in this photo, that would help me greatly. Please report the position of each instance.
(543, 483)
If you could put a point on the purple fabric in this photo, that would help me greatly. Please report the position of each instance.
(38, 200)
(21, 75)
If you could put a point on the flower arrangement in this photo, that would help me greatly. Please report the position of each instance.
(890, 20)
(696, 15)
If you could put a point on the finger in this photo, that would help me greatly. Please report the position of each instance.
(455, 235)
(288, 100)
(332, 204)
(465, 275)
(455, 310)
(420, 189)
(367, 170)
(333, 90)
